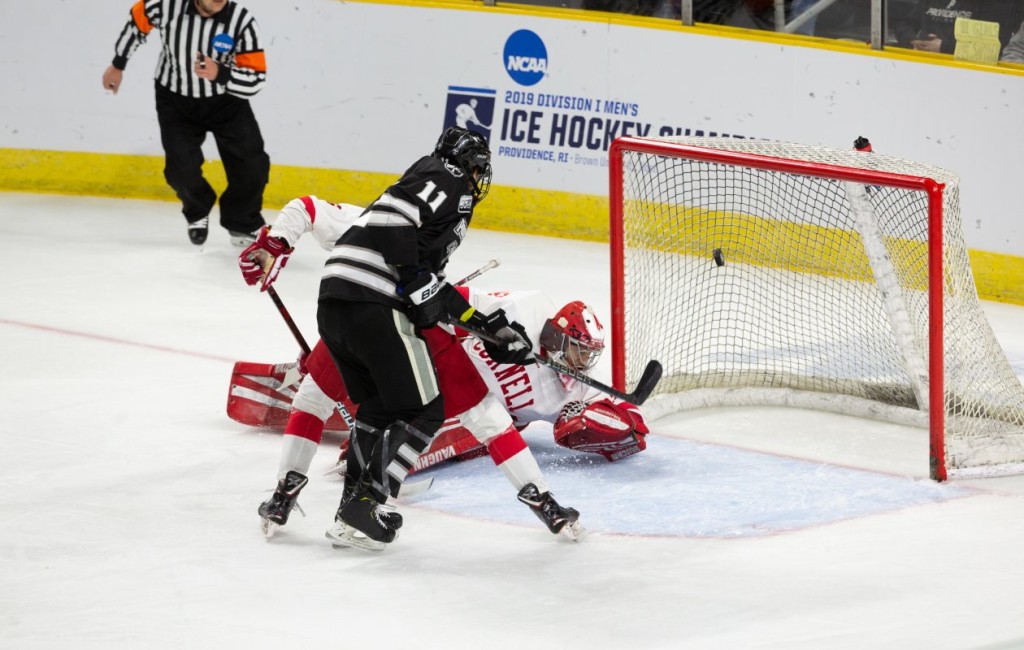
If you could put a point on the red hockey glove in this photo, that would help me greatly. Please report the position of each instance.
(614, 430)
(264, 259)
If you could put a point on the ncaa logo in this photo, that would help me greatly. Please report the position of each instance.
(223, 43)
(526, 58)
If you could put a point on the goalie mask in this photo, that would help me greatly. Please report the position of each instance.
(467, 150)
(573, 337)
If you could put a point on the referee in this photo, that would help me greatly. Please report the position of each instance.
(211, 63)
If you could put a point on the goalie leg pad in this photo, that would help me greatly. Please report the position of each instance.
(257, 396)
(452, 442)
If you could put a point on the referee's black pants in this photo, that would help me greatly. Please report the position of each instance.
(184, 123)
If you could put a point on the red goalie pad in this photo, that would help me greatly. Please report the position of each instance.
(453, 442)
(613, 430)
(260, 397)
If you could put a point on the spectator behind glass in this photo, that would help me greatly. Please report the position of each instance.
(1014, 51)
(930, 26)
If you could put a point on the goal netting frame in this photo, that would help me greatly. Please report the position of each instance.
(846, 287)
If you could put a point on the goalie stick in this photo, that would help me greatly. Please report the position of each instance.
(648, 380)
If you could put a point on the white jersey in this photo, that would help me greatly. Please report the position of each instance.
(327, 221)
(532, 392)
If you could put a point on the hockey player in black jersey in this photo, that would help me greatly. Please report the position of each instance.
(382, 283)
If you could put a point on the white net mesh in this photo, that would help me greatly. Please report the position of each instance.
(823, 293)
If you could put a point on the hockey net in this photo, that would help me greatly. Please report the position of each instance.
(845, 285)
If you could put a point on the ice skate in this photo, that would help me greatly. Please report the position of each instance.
(198, 231)
(242, 239)
(555, 517)
(363, 523)
(274, 512)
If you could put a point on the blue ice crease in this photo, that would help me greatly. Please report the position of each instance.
(685, 489)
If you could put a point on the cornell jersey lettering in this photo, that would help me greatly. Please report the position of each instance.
(532, 392)
(529, 393)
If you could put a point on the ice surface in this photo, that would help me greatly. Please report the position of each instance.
(128, 499)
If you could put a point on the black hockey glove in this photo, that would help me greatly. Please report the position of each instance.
(431, 300)
(513, 345)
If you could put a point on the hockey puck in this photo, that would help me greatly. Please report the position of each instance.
(718, 257)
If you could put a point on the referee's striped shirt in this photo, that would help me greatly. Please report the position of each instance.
(230, 37)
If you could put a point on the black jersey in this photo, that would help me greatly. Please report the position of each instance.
(414, 226)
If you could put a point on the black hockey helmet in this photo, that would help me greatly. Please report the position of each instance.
(469, 151)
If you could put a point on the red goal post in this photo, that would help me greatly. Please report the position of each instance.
(842, 283)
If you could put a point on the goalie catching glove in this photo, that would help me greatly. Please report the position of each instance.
(613, 429)
(264, 259)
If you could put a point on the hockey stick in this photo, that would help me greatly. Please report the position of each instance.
(350, 421)
(648, 380)
(477, 273)
(408, 490)
(281, 309)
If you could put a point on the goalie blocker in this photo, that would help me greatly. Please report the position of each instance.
(614, 430)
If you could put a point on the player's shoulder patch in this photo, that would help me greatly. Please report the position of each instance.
(466, 203)
(454, 170)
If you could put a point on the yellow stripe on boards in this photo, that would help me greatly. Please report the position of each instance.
(507, 209)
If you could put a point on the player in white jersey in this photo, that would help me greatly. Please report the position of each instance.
(480, 414)
(584, 418)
